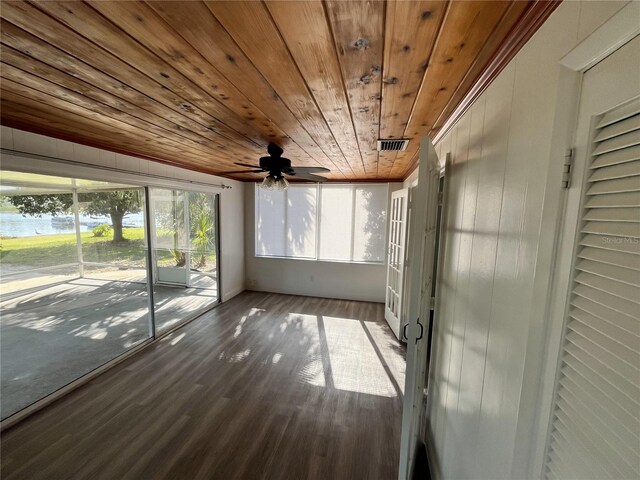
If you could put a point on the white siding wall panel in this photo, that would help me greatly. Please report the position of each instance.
(492, 299)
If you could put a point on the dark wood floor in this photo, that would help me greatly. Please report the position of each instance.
(263, 386)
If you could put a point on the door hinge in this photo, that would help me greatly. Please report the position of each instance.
(432, 303)
(440, 198)
(566, 168)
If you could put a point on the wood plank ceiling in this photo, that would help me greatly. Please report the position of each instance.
(205, 84)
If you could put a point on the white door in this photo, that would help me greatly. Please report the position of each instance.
(594, 429)
(422, 253)
(396, 263)
(170, 237)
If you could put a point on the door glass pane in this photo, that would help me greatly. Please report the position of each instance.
(203, 241)
(73, 281)
(184, 254)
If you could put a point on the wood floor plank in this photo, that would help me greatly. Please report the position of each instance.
(263, 386)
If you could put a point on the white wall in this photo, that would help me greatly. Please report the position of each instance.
(350, 281)
(503, 207)
(231, 200)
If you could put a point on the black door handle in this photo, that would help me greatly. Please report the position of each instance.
(404, 330)
(421, 330)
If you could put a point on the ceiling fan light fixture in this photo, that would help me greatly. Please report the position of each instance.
(282, 184)
(269, 183)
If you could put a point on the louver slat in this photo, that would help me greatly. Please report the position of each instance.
(624, 126)
(622, 170)
(608, 271)
(618, 185)
(617, 229)
(613, 215)
(622, 290)
(621, 259)
(617, 157)
(623, 141)
(629, 199)
(619, 114)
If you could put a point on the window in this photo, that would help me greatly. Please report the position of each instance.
(76, 280)
(345, 223)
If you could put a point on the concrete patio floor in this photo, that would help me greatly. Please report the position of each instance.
(56, 328)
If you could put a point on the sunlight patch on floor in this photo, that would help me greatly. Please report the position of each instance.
(347, 354)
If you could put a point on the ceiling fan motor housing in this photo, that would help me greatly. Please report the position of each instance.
(275, 165)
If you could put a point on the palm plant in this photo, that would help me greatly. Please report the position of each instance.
(202, 226)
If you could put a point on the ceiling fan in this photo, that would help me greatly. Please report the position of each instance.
(278, 167)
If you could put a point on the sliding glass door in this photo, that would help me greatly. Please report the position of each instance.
(73, 281)
(184, 247)
(74, 276)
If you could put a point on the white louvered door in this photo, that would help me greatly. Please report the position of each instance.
(595, 424)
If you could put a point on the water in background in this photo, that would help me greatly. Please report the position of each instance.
(16, 225)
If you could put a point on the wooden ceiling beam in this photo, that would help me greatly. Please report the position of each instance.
(201, 29)
(49, 30)
(518, 24)
(462, 36)
(85, 25)
(410, 32)
(358, 32)
(38, 52)
(22, 95)
(304, 28)
(204, 84)
(200, 78)
(39, 76)
(250, 25)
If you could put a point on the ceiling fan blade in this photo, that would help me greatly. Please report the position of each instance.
(299, 170)
(247, 165)
(309, 176)
(244, 171)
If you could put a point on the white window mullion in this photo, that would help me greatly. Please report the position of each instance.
(353, 220)
(318, 215)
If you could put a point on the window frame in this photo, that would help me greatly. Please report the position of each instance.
(318, 190)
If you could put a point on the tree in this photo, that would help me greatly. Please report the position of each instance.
(37, 205)
(116, 204)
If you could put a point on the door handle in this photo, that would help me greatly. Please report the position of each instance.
(404, 330)
(421, 330)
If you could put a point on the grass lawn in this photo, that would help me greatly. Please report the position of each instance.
(50, 250)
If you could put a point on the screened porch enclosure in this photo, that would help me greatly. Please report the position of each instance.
(82, 281)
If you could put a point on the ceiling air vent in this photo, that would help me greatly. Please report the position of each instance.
(393, 145)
